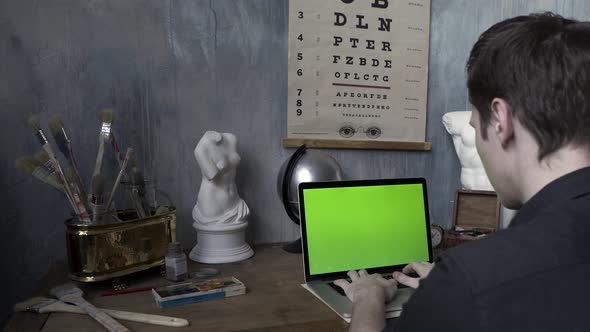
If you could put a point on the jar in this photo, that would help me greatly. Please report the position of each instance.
(176, 263)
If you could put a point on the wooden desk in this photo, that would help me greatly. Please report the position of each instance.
(275, 301)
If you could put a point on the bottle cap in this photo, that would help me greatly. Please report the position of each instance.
(174, 248)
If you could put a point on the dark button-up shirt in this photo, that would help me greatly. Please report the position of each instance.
(532, 276)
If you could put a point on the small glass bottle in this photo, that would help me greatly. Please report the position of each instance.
(176, 264)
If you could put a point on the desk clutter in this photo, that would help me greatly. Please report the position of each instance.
(96, 206)
(193, 292)
(476, 213)
(200, 285)
(103, 241)
(43, 305)
(274, 300)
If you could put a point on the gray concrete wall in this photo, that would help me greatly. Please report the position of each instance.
(174, 69)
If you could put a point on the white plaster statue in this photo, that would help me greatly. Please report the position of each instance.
(219, 214)
(218, 201)
(473, 174)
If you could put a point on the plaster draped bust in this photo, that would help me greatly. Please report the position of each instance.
(218, 201)
(473, 174)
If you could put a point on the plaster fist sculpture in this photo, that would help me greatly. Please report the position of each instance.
(219, 214)
(473, 174)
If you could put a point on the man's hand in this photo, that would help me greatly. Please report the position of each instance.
(365, 285)
(421, 268)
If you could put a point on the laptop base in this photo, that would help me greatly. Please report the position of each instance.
(343, 307)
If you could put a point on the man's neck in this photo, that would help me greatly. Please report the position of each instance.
(536, 175)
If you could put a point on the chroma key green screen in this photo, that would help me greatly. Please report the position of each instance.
(349, 228)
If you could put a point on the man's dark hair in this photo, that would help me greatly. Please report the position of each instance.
(539, 64)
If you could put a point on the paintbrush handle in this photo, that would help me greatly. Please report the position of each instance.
(78, 207)
(100, 316)
(136, 197)
(148, 319)
(121, 172)
(79, 180)
(123, 315)
(99, 155)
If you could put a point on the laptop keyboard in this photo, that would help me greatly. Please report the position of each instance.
(341, 292)
(336, 288)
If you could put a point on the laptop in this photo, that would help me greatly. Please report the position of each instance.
(377, 225)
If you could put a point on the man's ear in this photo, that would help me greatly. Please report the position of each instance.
(502, 122)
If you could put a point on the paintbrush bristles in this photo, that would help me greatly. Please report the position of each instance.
(44, 160)
(34, 123)
(55, 123)
(107, 115)
(42, 156)
(32, 166)
(26, 164)
(36, 126)
(56, 126)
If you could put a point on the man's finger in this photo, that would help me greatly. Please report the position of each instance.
(383, 281)
(405, 280)
(342, 284)
(363, 273)
(422, 268)
(378, 276)
(353, 275)
(408, 268)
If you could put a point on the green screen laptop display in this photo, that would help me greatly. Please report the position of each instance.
(349, 228)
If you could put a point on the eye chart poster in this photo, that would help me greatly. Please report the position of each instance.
(358, 69)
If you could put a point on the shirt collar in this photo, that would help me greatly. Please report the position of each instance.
(559, 190)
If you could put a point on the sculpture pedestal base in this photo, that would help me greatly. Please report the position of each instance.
(221, 244)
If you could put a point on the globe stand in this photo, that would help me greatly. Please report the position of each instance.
(293, 247)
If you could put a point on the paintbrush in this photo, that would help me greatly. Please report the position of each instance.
(64, 144)
(136, 190)
(70, 174)
(43, 305)
(128, 154)
(106, 118)
(138, 193)
(97, 190)
(116, 149)
(44, 160)
(31, 166)
(97, 206)
(35, 125)
(74, 199)
(71, 294)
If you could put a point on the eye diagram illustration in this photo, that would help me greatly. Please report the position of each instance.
(373, 132)
(348, 131)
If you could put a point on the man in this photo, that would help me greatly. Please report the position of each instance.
(529, 80)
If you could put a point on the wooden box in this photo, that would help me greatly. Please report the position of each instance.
(476, 212)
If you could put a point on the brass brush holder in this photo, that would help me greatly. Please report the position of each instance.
(105, 251)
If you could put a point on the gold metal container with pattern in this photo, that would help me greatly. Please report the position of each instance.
(101, 252)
